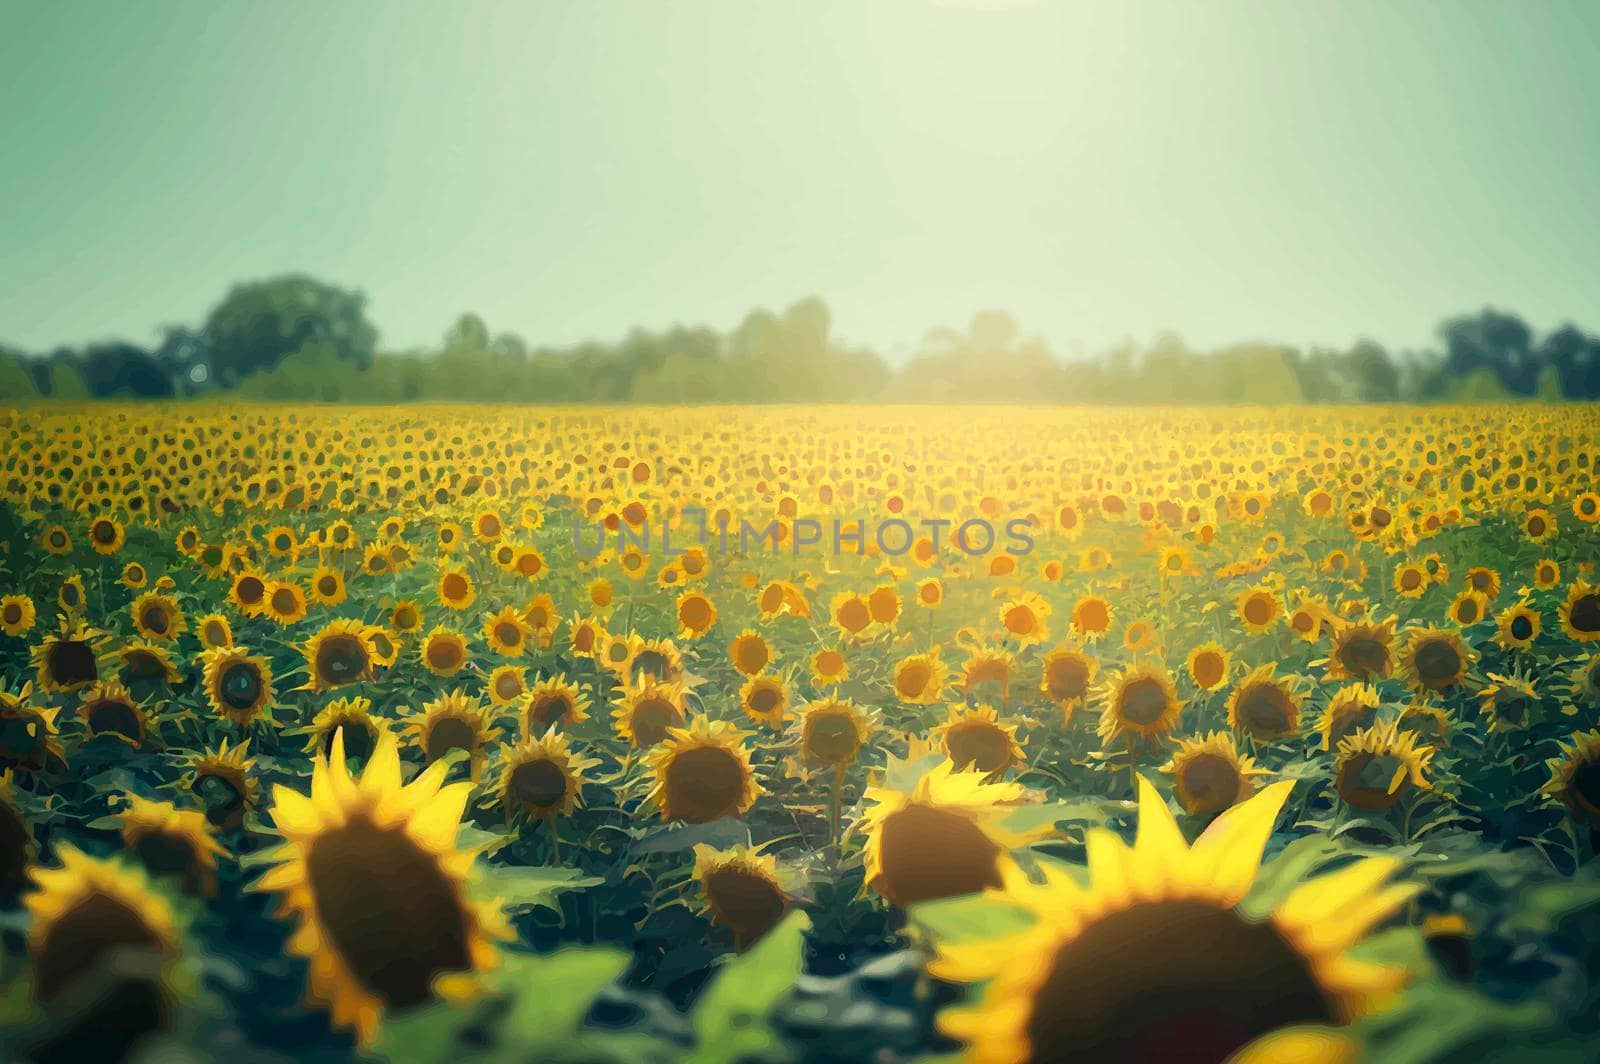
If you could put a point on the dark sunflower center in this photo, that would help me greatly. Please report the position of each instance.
(164, 854)
(704, 784)
(764, 699)
(752, 656)
(283, 601)
(750, 904)
(104, 532)
(1215, 984)
(1143, 701)
(508, 686)
(1438, 663)
(539, 783)
(1521, 627)
(219, 796)
(240, 686)
(650, 663)
(13, 613)
(1363, 656)
(831, 739)
(250, 590)
(1258, 611)
(449, 734)
(393, 916)
(913, 679)
(1585, 615)
(341, 659)
(928, 853)
(981, 745)
(76, 942)
(358, 739)
(1264, 710)
(113, 718)
(72, 661)
(508, 634)
(650, 720)
(1069, 678)
(20, 737)
(443, 654)
(155, 619)
(1212, 781)
(1586, 783)
(455, 587)
(1364, 781)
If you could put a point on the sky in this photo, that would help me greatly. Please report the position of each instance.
(1304, 172)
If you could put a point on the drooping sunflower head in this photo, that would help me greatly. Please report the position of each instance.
(1362, 650)
(1585, 680)
(943, 837)
(223, 781)
(833, 732)
(338, 655)
(919, 679)
(741, 889)
(541, 777)
(370, 871)
(552, 703)
(976, 737)
(646, 711)
(1431, 723)
(1380, 765)
(585, 635)
(1435, 659)
(69, 660)
(1082, 984)
(169, 841)
(453, 721)
(702, 773)
(146, 668)
(765, 700)
(350, 720)
(85, 914)
(1509, 703)
(1209, 774)
(107, 709)
(1575, 777)
(238, 685)
(443, 652)
(1580, 613)
(28, 738)
(1350, 708)
(1140, 701)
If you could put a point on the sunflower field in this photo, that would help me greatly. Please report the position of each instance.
(799, 733)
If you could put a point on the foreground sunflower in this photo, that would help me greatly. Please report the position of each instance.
(741, 890)
(1152, 960)
(702, 773)
(370, 870)
(1575, 777)
(944, 837)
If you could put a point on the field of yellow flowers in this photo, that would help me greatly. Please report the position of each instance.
(800, 733)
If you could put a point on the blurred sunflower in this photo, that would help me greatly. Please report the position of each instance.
(169, 841)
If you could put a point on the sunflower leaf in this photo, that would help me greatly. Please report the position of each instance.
(520, 888)
(730, 1021)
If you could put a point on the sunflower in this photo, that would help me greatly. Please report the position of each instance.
(883, 604)
(453, 721)
(944, 837)
(55, 540)
(108, 709)
(327, 586)
(541, 778)
(616, 653)
(248, 593)
(506, 633)
(214, 631)
(646, 711)
(1546, 574)
(657, 659)
(1023, 619)
(443, 652)
(169, 841)
(829, 667)
(1575, 777)
(540, 615)
(552, 703)
(1265, 706)
(406, 616)
(106, 535)
(584, 636)
(1208, 666)
(1379, 766)
(1538, 525)
(850, 613)
(930, 593)
(506, 685)
(988, 665)
(1091, 618)
(1580, 613)
(223, 781)
(1429, 721)
(286, 603)
(1350, 709)
(1411, 580)
(1258, 609)
(1065, 676)
(1517, 626)
(749, 652)
(1210, 775)
(370, 869)
(1080, 982)
(1585, 680)
(702, 773)
(238, 686)
(1436, 660)
(157, 617)
(1586, 507)
(375, 561)
(765, 700)
(977, 738)
(338, 655)
(146, 667)
(70, 596)
(1468, 608)
(17, 614)
(833, 732)
(16, 841)
(1484, 580)
(1508, 703)
(1140, 701)
(352, 721)
(83, 914)
(28, 737)
(696, 614)
(740, 889)
(919, 680)
(1362, 650)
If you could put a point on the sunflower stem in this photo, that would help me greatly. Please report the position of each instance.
(835, 795)
(555, 839)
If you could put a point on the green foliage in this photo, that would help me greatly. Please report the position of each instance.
(259, 324)
(15, 381)
(730, 1018)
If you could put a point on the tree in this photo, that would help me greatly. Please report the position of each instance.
(1575, 357)
(469, 333)
(1502, 343)
(64, 381)
(15, 380)
(123, 369)
(259, 323)
(1376, 377)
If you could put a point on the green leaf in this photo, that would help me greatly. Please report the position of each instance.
(969, 918)
(730, 1021)
(521, 887)
(553, 993)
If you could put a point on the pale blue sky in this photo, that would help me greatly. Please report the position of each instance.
(1299, 171)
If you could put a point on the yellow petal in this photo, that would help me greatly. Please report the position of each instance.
(1227, 855)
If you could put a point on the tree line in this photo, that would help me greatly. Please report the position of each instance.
(299, 339)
